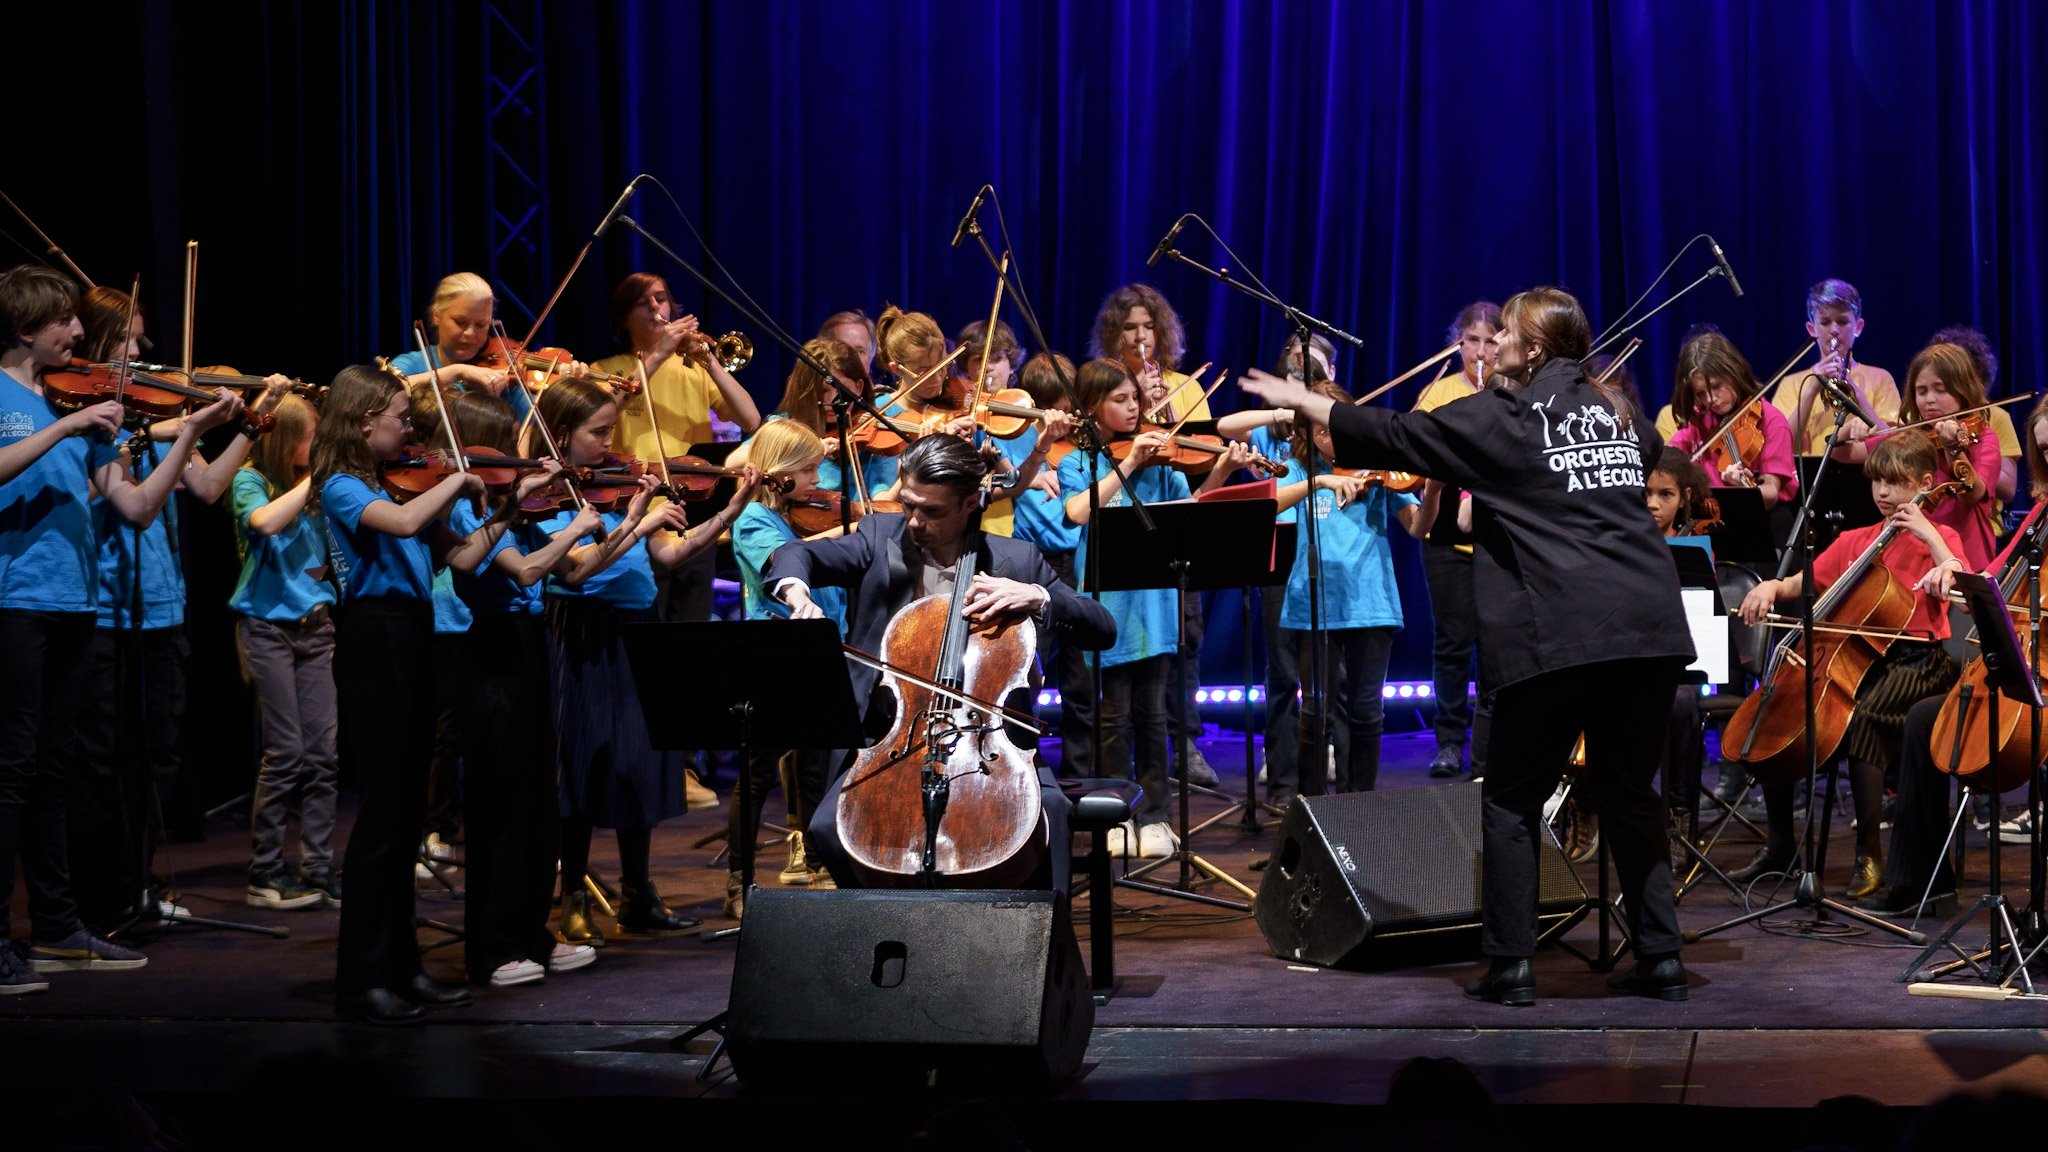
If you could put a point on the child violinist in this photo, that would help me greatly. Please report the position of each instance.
(1940, 382)
(1135, 672)
(459, 319)
(49, 464)
(1042, 521)
(1924, 556)
(128, 732)
(786, 449)
(508, 729)
(284, 633)
(611, 775)
(1715, 382)
(384, 554)
(1361, 606)
(807, 401)
(1680, 498)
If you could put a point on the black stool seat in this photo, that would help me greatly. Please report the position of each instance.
(1099, 805)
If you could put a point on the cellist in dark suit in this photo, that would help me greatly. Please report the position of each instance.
(891, 560)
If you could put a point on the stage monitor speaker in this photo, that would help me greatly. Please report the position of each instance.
(1366, 878)
(896, 987)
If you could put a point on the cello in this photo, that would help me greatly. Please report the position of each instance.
(946, 798)
(1963, 744)
(1855, 622)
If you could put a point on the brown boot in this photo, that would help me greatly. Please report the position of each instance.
(735, 896)
(576, 925)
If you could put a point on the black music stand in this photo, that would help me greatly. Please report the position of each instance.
(1193, 546)
(758, 661)
(2007, 673)
(1284, 548)
(1843, 498)
(1745, 532)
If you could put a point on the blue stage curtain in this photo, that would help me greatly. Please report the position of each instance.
(1379, 162)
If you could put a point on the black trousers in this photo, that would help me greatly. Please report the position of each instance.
(804, 777)
(1622, 707)
(445, 777)
(44, 665)
(1454, 610)
(513, 803)
(1286, 649)
(127, 766)
(384, 689)
(1076, 680)
(1920, 814)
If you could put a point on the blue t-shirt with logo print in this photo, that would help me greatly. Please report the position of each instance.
(48, 561)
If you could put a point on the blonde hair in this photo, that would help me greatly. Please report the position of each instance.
(782, 448)
(903, 335)
(273, 456)
(460, 286)
(1955, 369)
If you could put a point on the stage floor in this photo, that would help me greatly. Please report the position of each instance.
(1779, 1016)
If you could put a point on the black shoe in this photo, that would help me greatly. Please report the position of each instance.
(422, 991)
(1659, 977)
(1767, 860)
(380, 1006)
(1900, 900)
(1508, 980)
(1447, 763)
(642, 913)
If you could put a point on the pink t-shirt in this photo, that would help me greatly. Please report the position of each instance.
(1774, 460)
(1908, 558)
(1972, 522)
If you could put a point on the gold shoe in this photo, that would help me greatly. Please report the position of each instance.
(1867, 878)
(696, 796)
(575, 925)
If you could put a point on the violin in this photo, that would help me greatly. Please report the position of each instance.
(821, 511)
(500, 354)
(1855, 622)
(1708, 519)
(946, 798)
(220, 376)
(1742, 445)
(81, 384)
(1963, 743)
(1958, 453)
(694, 478)
(1392, 481)
(1191, 454)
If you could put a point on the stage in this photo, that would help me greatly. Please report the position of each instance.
(1777, 1019)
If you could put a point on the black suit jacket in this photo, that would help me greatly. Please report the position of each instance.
(873, 566)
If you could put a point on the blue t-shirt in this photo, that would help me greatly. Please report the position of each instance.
(755, 536)
(48, 562)
(277, 582)
(368, 562)
(628, 582)
(1279, 451)
(412, 362)
(1358, 562)
(1147, 622)
(1041, 519)
(489, 588)
(128, 556)
(451, 615)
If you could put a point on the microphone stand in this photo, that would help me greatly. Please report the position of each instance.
(1089, 437)
(1638, 322)
(1316, 683)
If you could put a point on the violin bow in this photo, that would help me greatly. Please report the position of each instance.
(127, 325)
(419, 335)
(1221, 377)
(654, 421)
(1028, 722)
(1405, 376)
(1167, 399)
(1963, 413)
(191, 296)
(935, 370)
(1621, 357)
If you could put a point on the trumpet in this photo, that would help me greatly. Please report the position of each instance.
(732, 351)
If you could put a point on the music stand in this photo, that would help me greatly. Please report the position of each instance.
(1193, 546)
(1745, 531)
(2007, 673)
(758, 662)
(1843, 498)
(1283, 566)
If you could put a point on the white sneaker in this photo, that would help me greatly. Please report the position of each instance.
(1156, 840)
(797, 872)
(518, 972)
(2016, 829)
(1123, 839)
(569, 957)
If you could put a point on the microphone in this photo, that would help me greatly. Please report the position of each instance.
(619, 209)
(973, 209)
(1165, 242)
(1721, 258)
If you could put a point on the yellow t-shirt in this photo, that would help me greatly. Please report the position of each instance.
(684, 398)
(1875, 383)
(1182, 391)
(1444, 390)
(1666, 424)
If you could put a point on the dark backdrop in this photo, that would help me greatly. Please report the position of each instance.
(1380, 163)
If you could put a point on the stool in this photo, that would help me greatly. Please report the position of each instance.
(1100, 805)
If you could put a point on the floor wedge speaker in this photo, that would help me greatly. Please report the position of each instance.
(902, 986)
(1363, 879)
